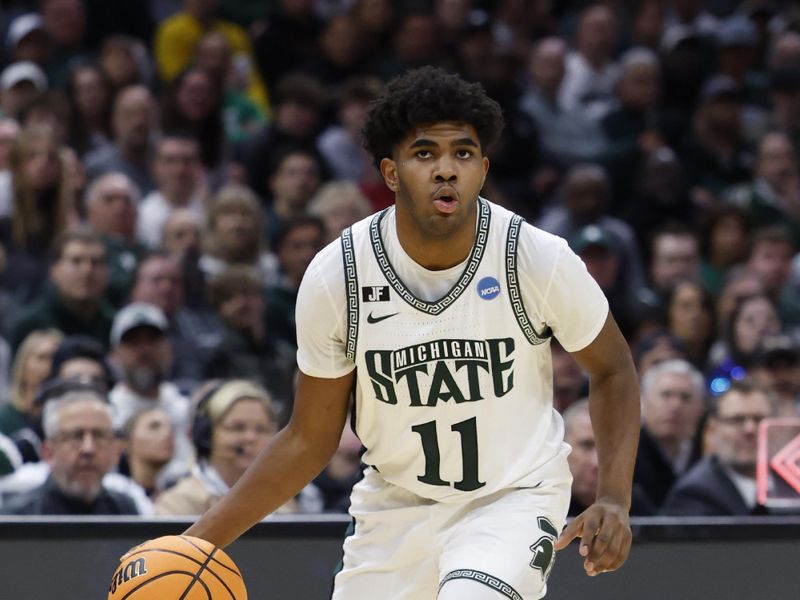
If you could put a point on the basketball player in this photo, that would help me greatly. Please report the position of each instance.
(439, 312)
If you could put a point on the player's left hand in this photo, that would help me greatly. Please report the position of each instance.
(605, 532)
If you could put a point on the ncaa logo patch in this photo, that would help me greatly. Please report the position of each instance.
(488, 288)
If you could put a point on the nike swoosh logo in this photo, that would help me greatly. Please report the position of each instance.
(373, 320)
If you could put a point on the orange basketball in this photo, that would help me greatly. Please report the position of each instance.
(177, 567)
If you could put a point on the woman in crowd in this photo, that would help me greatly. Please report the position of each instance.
(234, 420)
(89, 96)
(18, 417)
(149, 445)
(691, 320)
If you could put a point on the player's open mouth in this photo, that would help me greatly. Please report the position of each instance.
(446, 200)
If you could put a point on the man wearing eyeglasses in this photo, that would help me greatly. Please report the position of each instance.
(80, 447)
(724, 482)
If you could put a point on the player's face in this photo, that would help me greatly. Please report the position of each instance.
(436, 173)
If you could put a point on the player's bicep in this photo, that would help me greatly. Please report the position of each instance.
(320, 409)
(607, 353)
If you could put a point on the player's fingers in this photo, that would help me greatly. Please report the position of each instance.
(569, 533)
(601, 540)
(609, 559)
(591, 527)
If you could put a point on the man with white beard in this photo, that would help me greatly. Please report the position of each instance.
(142, 353)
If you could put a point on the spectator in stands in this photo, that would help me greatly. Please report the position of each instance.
(125, 62)
(339, 204)
(74, 301)
(785, 103)
(142, 355)
(180, 184)
(690, 310)
(80, 448)
(88, 92)
(776, 366)
(177, 38)
(752, 318)
(235, 235)
(656, 347)
(773, 196)
(297, 118)
(81, 358)
(234, 419)
(716, 156)
(591, 71)
(673, 401)
(182, 234)
(724, 483)
(578, 433)
(193, 333)
(27, 39)
(586, 196)
(65, 22)
(675, 255)
(149, 445)
(340, 52)
(647, 25)
(18, 417)
(133, 123)
(192, 104)
(725, 239)
(241, 116)
(569, 382)
(20, 82)
(771, 260)
(340, 474)
(415, 43)
(739, 283)
(293, 180)
(111, 202)
(248, 348)
(295, 245)
(340, 144)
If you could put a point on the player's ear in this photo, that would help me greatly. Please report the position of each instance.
(485, 169)
(389, 171)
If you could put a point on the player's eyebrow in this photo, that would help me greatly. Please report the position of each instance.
(426, 143)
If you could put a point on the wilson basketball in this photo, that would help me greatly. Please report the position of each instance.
(177, 567)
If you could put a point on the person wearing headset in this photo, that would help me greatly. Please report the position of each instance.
(233, 420)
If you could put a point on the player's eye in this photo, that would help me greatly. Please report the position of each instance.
(464, 153)
(423, 154)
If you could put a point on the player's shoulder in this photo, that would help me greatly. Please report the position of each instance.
(532, 240)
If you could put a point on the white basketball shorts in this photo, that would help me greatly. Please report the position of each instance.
(405, 547)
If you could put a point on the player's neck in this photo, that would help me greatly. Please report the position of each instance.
(436, 253)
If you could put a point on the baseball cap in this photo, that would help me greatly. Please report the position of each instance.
(137, 314)
(592, 235)
(720, 86)
(20, 71)
(22, 26)
(736, 32)
(777, 348)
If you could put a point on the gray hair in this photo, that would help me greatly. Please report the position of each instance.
(573, 410)
(639, 56)
(94, 188)
(676, 366)
(51, 416)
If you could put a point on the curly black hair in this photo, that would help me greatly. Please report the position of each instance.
(424, 96)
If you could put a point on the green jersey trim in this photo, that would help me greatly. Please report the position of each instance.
(488, 580)
(351, 290)
(473, 262)
(514, 293)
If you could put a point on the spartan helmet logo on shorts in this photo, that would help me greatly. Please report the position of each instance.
(543, 550)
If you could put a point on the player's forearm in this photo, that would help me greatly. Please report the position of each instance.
(615, 413)
(278, 474)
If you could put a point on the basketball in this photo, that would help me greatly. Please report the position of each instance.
(177, 567)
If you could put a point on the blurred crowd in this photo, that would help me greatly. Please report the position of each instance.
(168, 169)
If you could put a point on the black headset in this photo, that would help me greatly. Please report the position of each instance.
(202, 426)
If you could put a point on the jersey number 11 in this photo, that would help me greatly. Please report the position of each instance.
(469, 454)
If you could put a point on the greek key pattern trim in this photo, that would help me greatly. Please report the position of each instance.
(484, 578)
(514, 294)
(473, 262)
(351, 289)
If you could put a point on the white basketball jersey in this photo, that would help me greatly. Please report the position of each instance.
(454, 397)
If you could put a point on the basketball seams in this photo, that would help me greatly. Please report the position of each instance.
(186, 556)
(197, 575)
(155, 578)
(220, 563)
